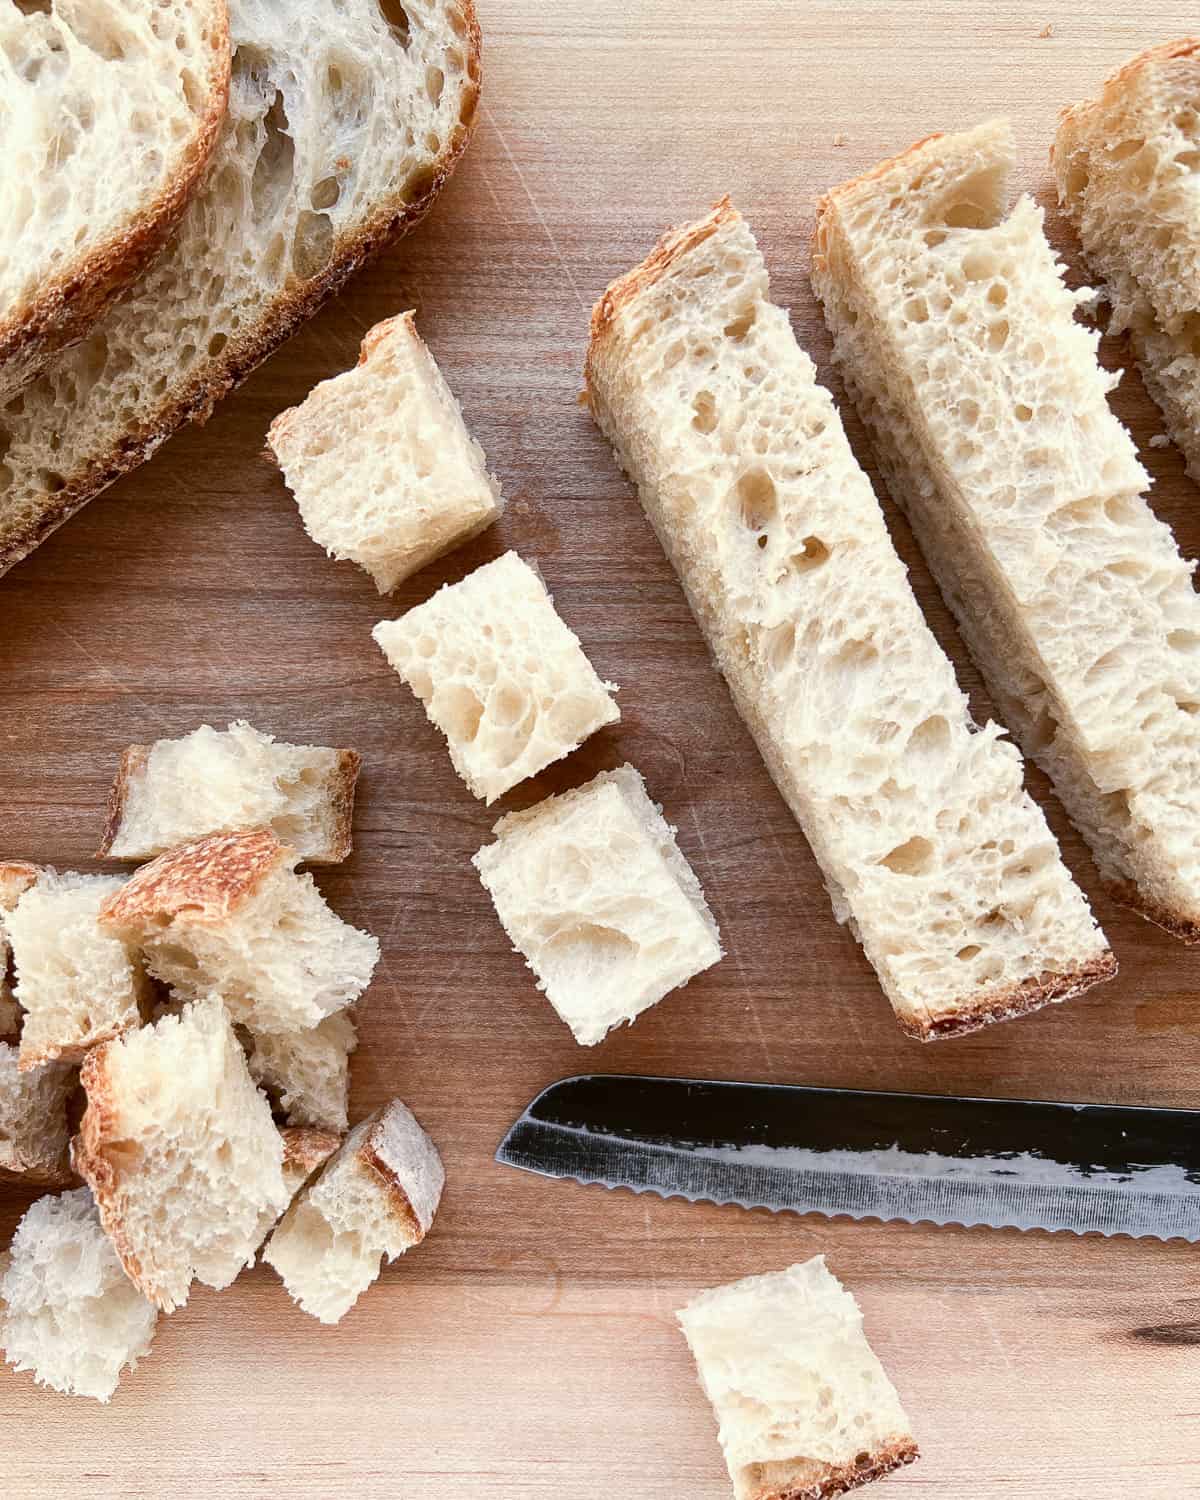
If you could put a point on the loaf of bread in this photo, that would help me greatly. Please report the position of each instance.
(217, 781)
(376, 1198)
(111, 111)
(380, 461)
(68, 1312)
(228, 915)
(345, 118)
(34, 1134)
(306, 1074)
(500, 675)
(180, 1152)
(15, 879)
(805, 1409)
(994, 432)
(1126, 165)
(930, 847)
(592, 890)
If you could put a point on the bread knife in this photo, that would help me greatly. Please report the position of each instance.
(1112, 1169)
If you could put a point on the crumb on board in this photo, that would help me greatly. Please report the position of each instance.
(1046, 31)
(839, 139)
(1160, 440)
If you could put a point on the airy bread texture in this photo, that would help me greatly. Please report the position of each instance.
(381, 463)
(345, 118)
(376, 1198)
(306, 1074)
(111, 109)
(34, 1134)
(500, 675)
(804, 1406)
(957, 339)
(216, 781)
(77, 983)
(594, 893)
(228, 915)
(15, 879)
(931, 849)
(1128, 172)
(70, 1313)
(180, 1151)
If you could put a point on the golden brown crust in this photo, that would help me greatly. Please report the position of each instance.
(399, 1202)
(1013, 1001)
(16, 876)
(133, 760)
(340, 789)
(206, 879)
(306, 1148)
(1076, 116)
(99, 1127)
(240, 356)
(1126, 894)
(836, 1479)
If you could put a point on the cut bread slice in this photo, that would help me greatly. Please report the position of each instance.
(345, 118)
(306, 1074)
(930, 847)
(1126, 165)
(380, 461)
(70, 1313)
(77, 983)
(957, 339)
(376, 1198)
(805, 1409)
(228, 915)
(217, 781)
(592, 890)
(180, 1151)
(500, 674)
(111, 111)
(34, 1133)
(15, 879)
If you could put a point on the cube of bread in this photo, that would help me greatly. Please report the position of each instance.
(500, 675)
(15, 879)
(216, 781)
(375, 1198)
(77, 982)
(34, 1133)
(593, 891)
(306, 1074)
(180, 1151)
(229, 915)
(305, 1152)
(803, 1405)
(381, 463)
(70, 1313)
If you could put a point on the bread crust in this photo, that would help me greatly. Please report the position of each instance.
(98, 1126)
(842, 1477)
(306, 1148)
(16, 876)
(1117, 82)
(398, 1200)
(66, 307)
(208, 879)
(240, 356)
(133, 760)
(1126, 894)
(972, 1014)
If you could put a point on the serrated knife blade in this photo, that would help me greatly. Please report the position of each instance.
(1006, 1163)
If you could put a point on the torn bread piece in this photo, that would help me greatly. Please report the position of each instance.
(931, 849)
(804, 1407)
(217, 781)
(592, 890)
(993, 430)
(500, 675)
(68, 1312)
(179, 1148)
(380, 461)
(305, 1152)
(228, 915)
(15, 879)
(376, 1198)
(34, 1131)
(306, 1074)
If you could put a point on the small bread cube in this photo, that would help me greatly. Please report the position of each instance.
(593, 891)
(307, 1073)
(500, 675)
(376, 1198)
(70, 1313)
(180, 1151)
(803, 1404)
(305, 1152)
(229, 915)
(215, 781)
(34, 1134)
(15, 879)
(381, 463)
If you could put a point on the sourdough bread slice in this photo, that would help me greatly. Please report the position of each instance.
(34, 1134)
(1128, 170)
(381, 463)
(957, 339)
(805, 1408)
(15, 879)
(931, 849)
(306, 1074)
(216, 781)
(69, 1312)
(111, 110)
(345, 118)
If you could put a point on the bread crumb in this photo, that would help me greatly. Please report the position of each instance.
(1046, 31)
(1160, 440)
(839, 139)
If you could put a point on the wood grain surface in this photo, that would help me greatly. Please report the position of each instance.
(528, 1349)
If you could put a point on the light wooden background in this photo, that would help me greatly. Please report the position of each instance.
(528, 1348)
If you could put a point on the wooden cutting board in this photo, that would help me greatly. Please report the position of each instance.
(528, 1349)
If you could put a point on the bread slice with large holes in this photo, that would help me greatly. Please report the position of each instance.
(1128, 170)
(931, 848)
(345, 118)
(111, 111)
(34, 1130)
(957, 339)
